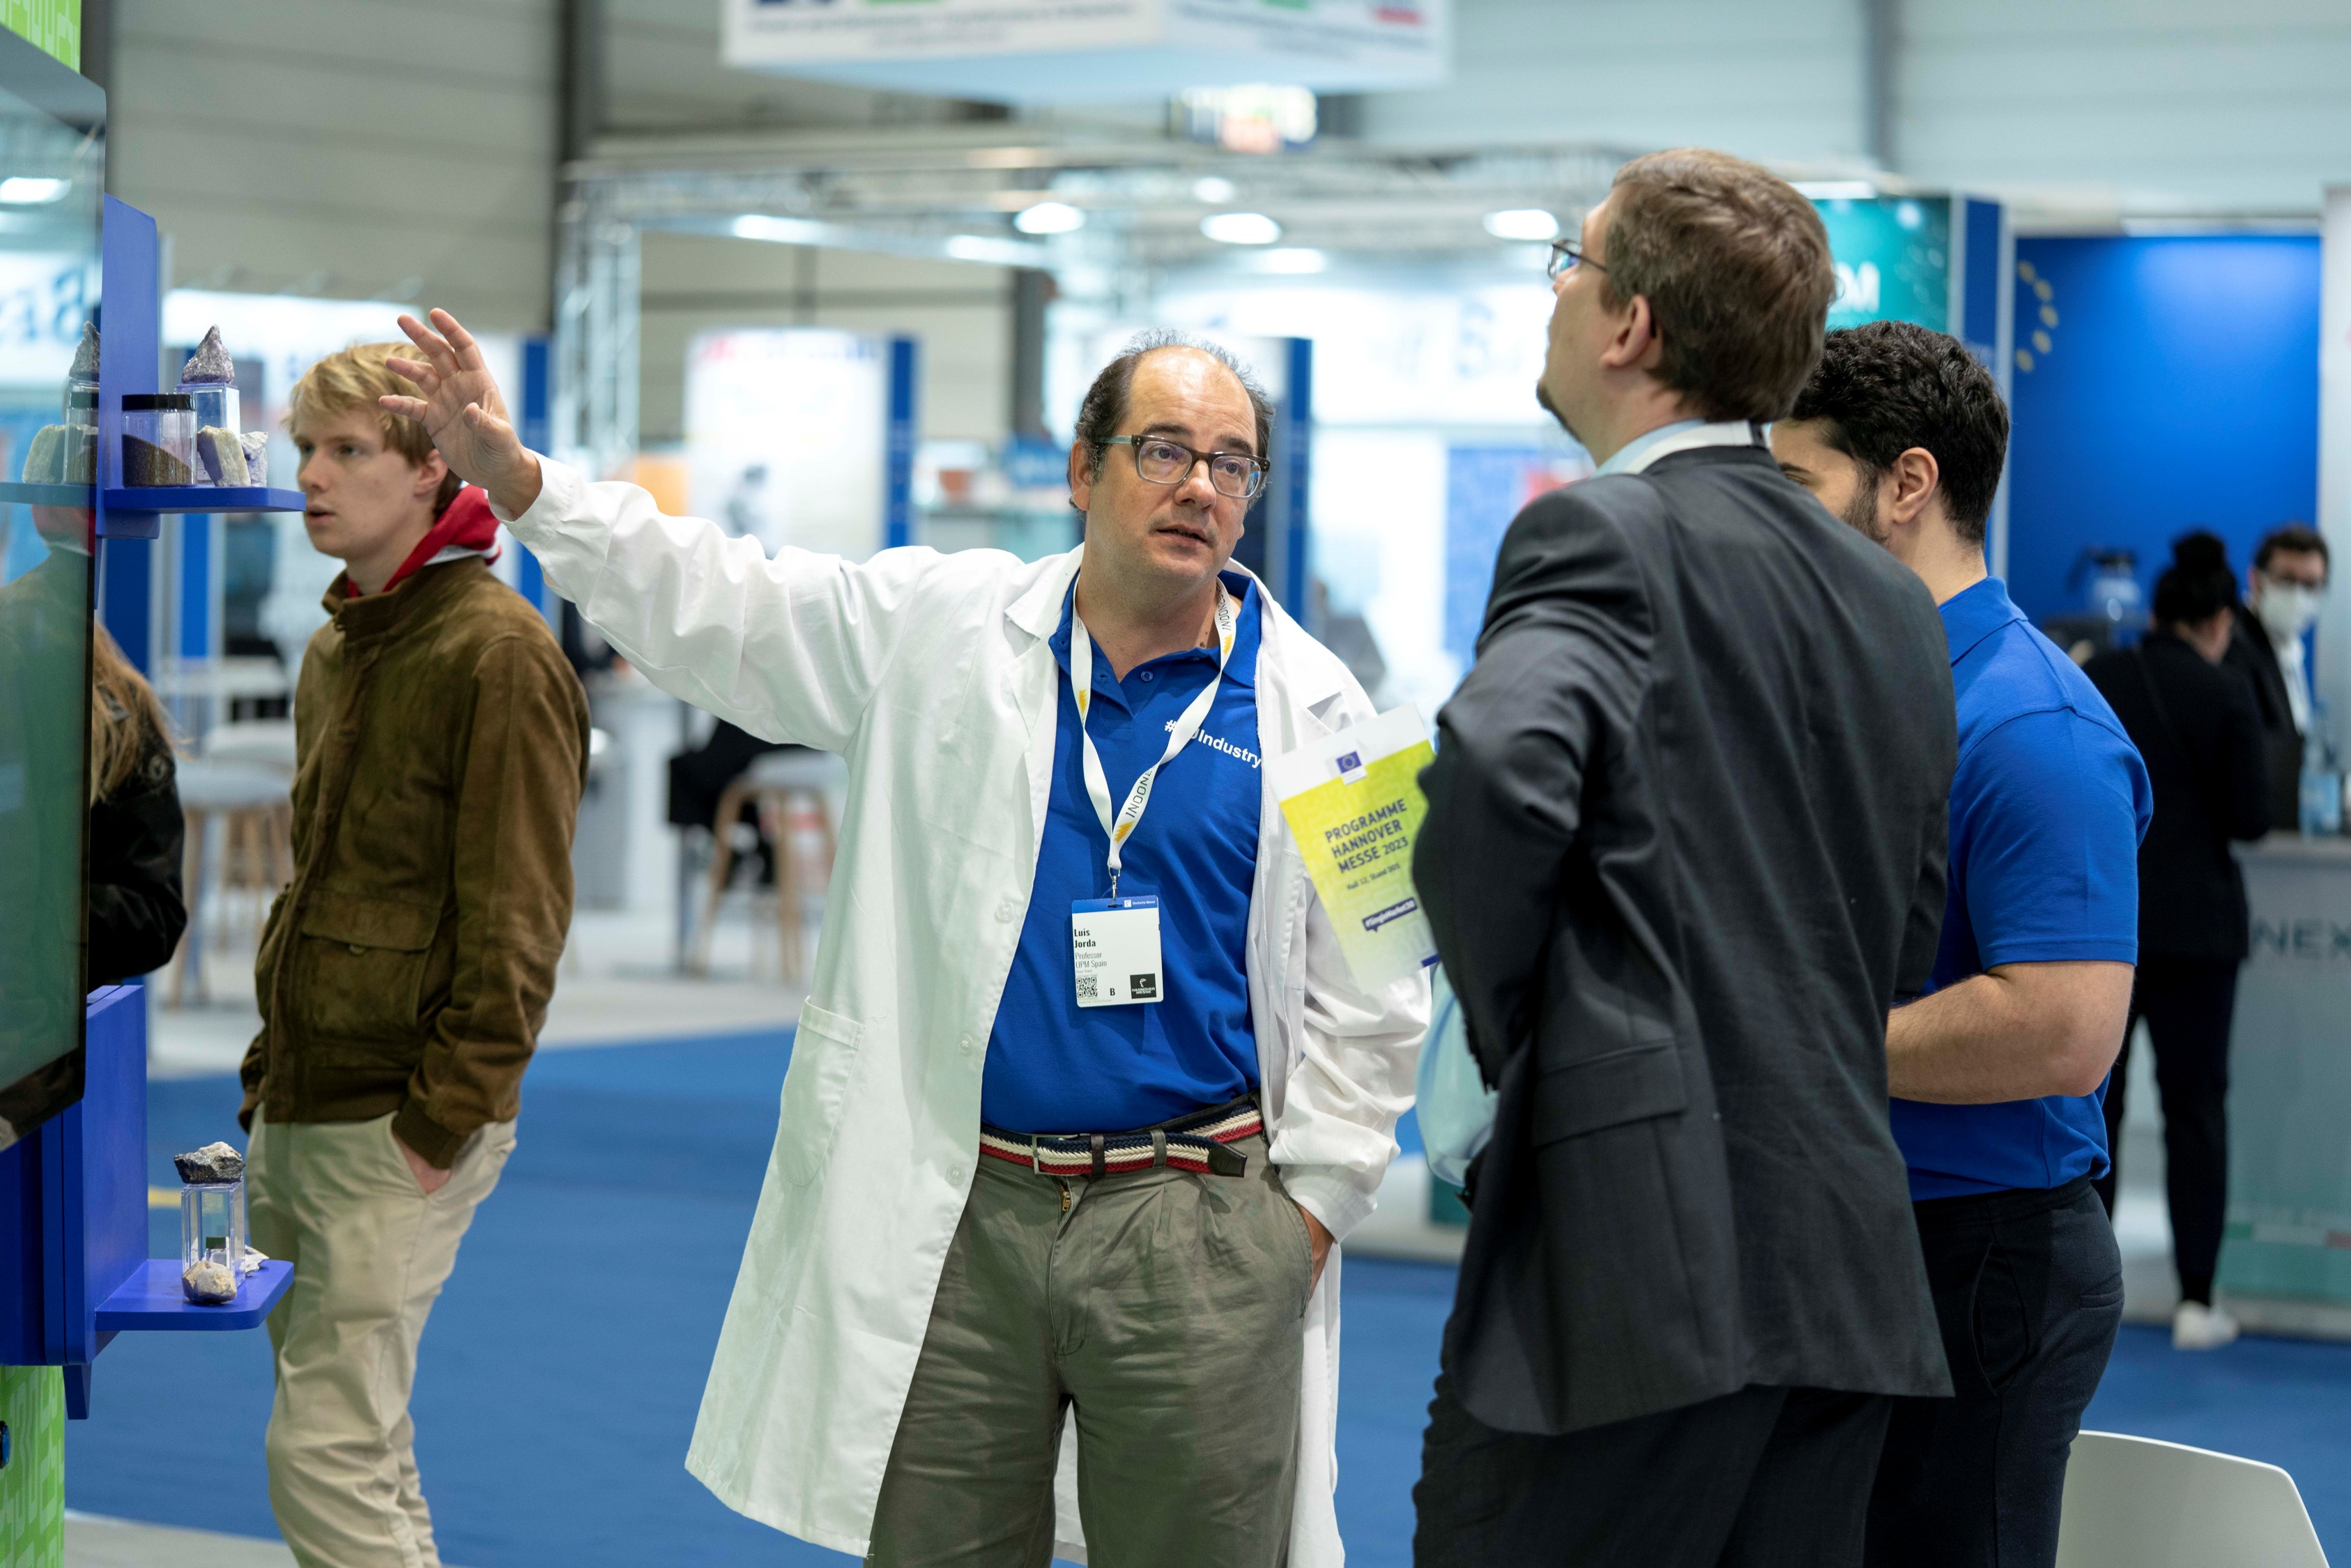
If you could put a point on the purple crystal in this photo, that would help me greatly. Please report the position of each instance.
(211, 366)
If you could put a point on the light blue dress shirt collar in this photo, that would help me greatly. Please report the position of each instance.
(1628, 456)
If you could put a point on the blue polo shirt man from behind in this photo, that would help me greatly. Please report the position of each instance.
(1998, 1071)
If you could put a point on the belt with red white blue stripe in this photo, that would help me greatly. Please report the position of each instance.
(1193, 1143)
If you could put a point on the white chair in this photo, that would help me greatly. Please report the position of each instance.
(2135, 1502)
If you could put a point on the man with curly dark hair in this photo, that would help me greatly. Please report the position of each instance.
(1998, 1070)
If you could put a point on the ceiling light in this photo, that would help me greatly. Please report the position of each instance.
(1837, 190)
(1048, 218)
(1293, 259)
(1213, 189)
(27, 191)
(995, 252)
(1523, 223)
(1240, 228)
(777, 231)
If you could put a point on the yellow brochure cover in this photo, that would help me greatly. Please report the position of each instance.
(1352, 801)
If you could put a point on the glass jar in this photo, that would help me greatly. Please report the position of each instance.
(212, 1241)
(81, 450)
(219, 456)
(159, 439)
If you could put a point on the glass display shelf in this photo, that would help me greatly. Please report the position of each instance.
(160, 497)
(152, 1298)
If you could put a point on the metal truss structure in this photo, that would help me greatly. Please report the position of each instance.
(951, 192)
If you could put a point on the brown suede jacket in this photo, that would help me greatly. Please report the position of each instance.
(443, 746)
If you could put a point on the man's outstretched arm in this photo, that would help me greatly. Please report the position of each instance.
(789, 648)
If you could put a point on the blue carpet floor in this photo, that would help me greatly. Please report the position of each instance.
(562, 1367)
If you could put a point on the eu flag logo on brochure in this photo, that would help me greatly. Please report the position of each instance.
(1351, 767)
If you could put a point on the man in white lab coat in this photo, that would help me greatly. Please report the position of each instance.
(1026, 938)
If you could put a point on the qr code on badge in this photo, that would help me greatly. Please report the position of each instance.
(1086, 991)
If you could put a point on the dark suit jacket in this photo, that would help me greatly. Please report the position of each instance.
(1686, 844)
(2250, 654)
(2195, 726)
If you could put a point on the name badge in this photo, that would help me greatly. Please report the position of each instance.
(1114, 949)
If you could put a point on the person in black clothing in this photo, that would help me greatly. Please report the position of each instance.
(2193, 719)
(136, 912)
(2288, 577)
(136, 909)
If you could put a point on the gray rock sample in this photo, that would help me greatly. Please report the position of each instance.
(211, 367)
(257, 456)
(85, 360)
(45, 460)
(213, 1162)
(221, 455)
(208, 1283)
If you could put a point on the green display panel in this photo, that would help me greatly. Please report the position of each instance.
(1893, 259)
(53, 26)
(33, 1482)
(51, 173)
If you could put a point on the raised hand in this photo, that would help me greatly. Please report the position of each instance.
(462, 411)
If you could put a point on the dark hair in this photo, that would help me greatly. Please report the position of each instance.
(2297, 537)
(1104, 408)
(1735, 268)
(1884, 387)
(2198, 584)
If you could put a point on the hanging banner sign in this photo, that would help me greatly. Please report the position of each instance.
(1028, 51)
(1352, 801)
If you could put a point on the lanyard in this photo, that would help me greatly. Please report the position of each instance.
(1082, 684)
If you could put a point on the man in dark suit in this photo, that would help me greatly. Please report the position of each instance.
(1684, 846)
(2288, 577)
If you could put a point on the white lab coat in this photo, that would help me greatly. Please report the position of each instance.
(931, 676)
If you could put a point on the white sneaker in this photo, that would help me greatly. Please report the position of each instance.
(2199, 1327)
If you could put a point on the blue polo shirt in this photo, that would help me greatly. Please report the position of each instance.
(2049, 801)
(1055, 1067)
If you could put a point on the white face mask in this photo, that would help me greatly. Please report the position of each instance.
(2286, 609)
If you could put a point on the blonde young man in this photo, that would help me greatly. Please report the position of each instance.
(404, 975)
(1038, 1256)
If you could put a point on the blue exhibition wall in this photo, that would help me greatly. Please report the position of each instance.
(2162, 385)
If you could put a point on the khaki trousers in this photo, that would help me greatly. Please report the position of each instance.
(371, 1252)
(1165, 1308)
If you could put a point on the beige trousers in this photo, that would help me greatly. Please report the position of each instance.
(1164, 1306)
(371, 1252)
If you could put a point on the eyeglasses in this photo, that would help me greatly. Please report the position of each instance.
(1160, 461)
(1566, 253)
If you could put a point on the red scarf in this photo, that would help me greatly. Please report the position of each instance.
(468, 524)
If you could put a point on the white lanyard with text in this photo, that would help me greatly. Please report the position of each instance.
(1115, 941)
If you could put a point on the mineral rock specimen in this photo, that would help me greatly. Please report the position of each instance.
(221, 455)
(144, 463)
(45, 460)
(208, 1282)
(211, 367)
(85, 360)
(213, 1162)
(257, 457)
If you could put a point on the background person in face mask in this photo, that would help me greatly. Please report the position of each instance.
(2288, 577)
(2193, 721)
